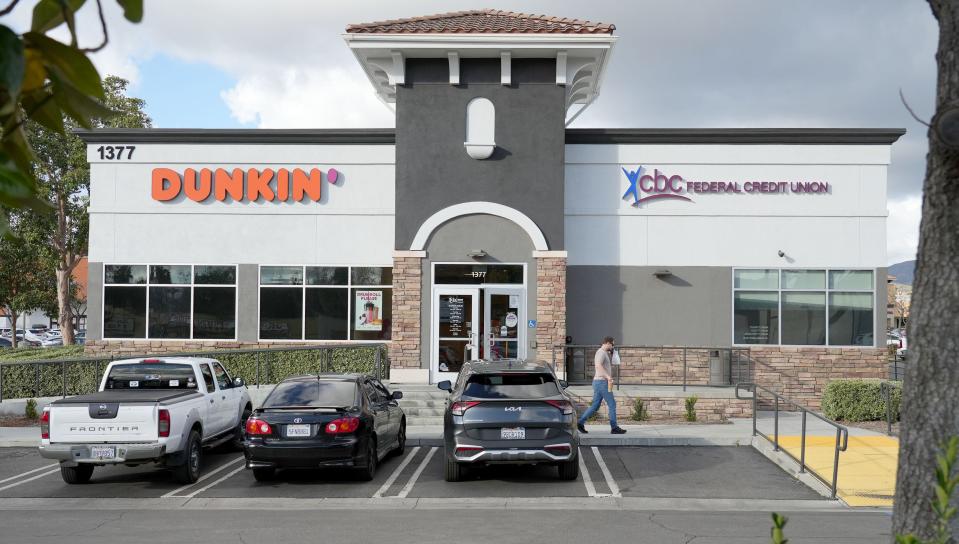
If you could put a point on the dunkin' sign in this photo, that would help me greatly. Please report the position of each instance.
(250, 185)
(658, 185)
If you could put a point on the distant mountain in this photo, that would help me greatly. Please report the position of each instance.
(903, 271)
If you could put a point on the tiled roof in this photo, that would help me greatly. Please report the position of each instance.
(482, 21)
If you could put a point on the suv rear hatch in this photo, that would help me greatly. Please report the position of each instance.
(515, 405)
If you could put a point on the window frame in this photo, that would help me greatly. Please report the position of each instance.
(826, 290)
(192, 286)
(349, 286)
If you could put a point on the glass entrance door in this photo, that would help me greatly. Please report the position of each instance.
(504, 323)
(456, 313)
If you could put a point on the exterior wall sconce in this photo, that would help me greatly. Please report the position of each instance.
(480, 128)
(476, 254)
(662, 273)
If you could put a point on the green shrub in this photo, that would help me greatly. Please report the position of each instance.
(640, 413)
(36, 354)
(691, 407)
(859, 400)
(30, 411)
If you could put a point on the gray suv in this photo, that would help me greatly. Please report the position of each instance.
(509, 412)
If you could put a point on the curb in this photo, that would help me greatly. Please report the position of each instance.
(648, 441)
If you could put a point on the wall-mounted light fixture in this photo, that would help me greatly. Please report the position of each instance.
(781, 253)
(662, 273)
(476, 254)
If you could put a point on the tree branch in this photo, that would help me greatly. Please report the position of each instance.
(9, 8)
(909, 109)
(103, 25)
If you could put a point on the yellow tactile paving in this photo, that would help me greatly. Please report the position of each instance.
(867, 469)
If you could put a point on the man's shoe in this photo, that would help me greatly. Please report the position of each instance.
(618, 430)
(582, 428)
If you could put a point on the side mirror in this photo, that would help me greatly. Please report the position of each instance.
(397, 395)
(445, 385)
(238, 382)
(564, 384)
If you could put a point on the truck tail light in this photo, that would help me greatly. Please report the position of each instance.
(163, 423)
(563, 405)
(45, 425)
(457, 408)
(258, 427)
(342, 425)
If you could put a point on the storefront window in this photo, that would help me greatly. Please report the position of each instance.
(327, 314)
(372, 275)
(756, 279)
(281, 275)
(851, 280)
(804, 279)
(850, 319)
(328, 275)
(804, 318)
(371, 312)
(155, 301)
(281, 313)
(756, 319)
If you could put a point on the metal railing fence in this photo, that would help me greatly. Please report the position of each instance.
(734, 365)
(64, 377)
(842, 433)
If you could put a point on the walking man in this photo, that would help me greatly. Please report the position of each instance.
(602, 387)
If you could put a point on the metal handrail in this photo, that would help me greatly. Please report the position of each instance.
(380, 360)
(842, 433)
(885, 389)
(739, 351)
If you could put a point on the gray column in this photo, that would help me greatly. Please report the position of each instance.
(247, 309)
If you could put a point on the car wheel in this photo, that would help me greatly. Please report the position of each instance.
(400, 440)
(454, 471)
(569, 470)
(264, 474)
(189, 471)
(241, 429)
(368, 471)
(79, 474)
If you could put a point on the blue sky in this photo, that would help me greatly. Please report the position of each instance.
(183, 94)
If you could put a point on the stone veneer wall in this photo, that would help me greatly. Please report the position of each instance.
(149, 347)
(550, 304)
(407, 276)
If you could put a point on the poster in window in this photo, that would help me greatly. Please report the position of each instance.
(369, 310)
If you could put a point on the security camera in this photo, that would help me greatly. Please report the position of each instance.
(782, 253)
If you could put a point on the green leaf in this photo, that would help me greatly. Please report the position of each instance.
(80, 107)
(16, 147)
(132, 10)
(41, 106)
(48, 14)
(74, 65)
(12, 63)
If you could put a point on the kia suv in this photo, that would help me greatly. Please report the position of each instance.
(509, 412)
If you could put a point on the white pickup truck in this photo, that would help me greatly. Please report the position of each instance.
(160, 411)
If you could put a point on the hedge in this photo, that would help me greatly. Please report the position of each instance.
(83, 376)
(34, 354)
(859, 400)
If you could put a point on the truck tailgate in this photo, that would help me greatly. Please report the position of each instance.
(93, 423)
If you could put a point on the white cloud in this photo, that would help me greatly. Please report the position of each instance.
(902, 228)
(306, 98)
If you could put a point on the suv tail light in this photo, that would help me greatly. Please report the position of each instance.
(559, 449)
(564, 405)
(45, 425)
(467, 450)
(163, 422)
(457, 408)
(343, 425)
(258, 427)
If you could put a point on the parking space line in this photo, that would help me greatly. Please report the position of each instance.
(202, 478)
(209, 485)
(37, 477)
(610, 481)
(54, 465)
(396, 473)
(419, 470)
(590, 488)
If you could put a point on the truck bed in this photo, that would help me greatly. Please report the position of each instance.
(132, 395)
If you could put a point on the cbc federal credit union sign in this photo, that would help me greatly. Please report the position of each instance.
(644, 186)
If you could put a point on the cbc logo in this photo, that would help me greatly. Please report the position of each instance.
(645, 187)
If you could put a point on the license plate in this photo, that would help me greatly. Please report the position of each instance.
(516, 433)
(297, 430)
(102, 452)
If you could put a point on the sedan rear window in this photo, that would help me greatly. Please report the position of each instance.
(151, 376)
(511, 386)
(315, 393)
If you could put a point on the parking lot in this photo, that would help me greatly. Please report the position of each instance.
(656, 472)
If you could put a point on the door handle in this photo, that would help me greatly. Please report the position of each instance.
(223, 397)
(211, 401)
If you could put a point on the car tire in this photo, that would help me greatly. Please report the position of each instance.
(79, 474)
(368, 471)
(264, 474)
(241, 430)
(569, 470)
(189, 471)
(400, 440)
(454, 471)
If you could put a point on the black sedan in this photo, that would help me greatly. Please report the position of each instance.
(349, 421)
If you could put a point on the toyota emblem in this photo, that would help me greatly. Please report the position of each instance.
(103, 406)
(298, 420)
